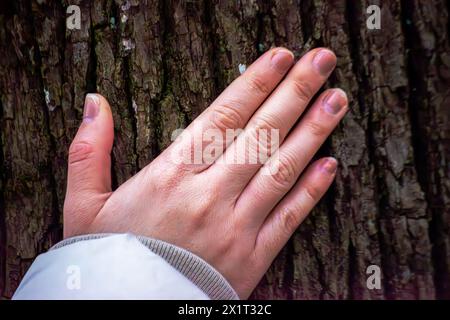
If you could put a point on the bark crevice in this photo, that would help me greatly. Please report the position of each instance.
(2, 211)
(355, 21)
(54, 229)
(418, 60)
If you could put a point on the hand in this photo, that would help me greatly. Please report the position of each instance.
(236, 215)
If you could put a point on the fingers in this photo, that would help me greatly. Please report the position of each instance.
(282, 109)
(275, 179)
(279, 112)
(89, 165)
(292, 210)
(234, 107)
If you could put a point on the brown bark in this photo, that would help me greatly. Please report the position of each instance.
(160, 63)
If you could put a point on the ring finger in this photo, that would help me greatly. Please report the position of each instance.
(282, 170)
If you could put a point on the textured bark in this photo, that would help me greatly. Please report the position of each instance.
(160, 63)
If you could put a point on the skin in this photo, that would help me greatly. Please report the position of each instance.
(232, 215)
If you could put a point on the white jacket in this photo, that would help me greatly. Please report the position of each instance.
(121, 266)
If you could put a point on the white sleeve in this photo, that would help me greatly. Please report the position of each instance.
(112, 267)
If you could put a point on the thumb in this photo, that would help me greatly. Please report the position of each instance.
(89, 165)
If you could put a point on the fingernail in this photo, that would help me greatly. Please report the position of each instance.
(91, 107)
(282, 60)
(329, 165)
(324, 61)
(335, 101)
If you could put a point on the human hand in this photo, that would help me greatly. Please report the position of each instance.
(235, 215)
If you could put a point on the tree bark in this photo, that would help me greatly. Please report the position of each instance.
(160, 63)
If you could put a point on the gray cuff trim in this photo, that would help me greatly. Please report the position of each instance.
(198, 271)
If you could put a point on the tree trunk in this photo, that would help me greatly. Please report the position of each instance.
(160, 63)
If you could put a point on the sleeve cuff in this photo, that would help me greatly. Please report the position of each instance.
(194, 268)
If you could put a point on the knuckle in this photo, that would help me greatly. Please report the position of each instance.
(226, 116)
(303, 90)
(316, 128)
(312, 193)
(255, 83)
(266, 121)
(289, 217)
(80, 151)
(285, 175)
(260, 135)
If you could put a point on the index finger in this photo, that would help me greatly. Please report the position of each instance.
(237, 103)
